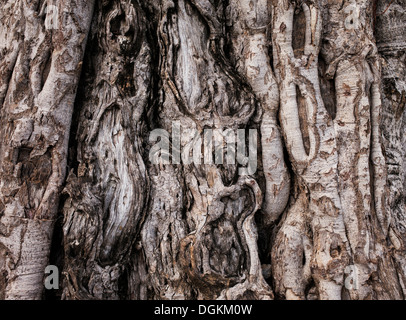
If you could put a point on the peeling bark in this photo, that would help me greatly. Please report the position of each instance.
(390, 35)
(361, 164)
(40, 74)
(250, 46)
(108, 190)
(320, 215)
(203, 244)
(316, 168)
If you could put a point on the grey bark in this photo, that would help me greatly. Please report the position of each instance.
(323, 83)
(391, 35)
(40, 70)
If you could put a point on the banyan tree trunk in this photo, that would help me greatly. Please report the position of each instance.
(203, 149)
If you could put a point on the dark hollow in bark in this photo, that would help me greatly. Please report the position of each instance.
(85, 84)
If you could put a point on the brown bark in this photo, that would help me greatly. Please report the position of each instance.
(40, 72)
(85, 86)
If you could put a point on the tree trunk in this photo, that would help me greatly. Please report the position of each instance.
(197, 149)
(40, 71)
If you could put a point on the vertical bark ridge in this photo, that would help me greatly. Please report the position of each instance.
(318, 206)
(250, 23)
(35, 116)
(142, 221)
(362, 169)
(107, 192)
(390, 36)
(218, 245)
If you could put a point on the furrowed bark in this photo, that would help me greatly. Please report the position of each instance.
(362, 169)
(108, 190)
(315, 166)
(149, 182)
(40, 72)
(391, 42)
(203, 244)
(250, 28)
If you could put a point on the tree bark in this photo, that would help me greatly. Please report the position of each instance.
(284, 171)
(40, 70)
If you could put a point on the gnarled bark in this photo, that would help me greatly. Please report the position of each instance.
(41, 65)
(390, 36)
(319, 214)
(108, 190)
(200, 239)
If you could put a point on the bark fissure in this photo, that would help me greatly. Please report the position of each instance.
(35, 120)
(285, 175)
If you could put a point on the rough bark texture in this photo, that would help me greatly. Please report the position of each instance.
(391, 35)
(40, 71)
(85, 85)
